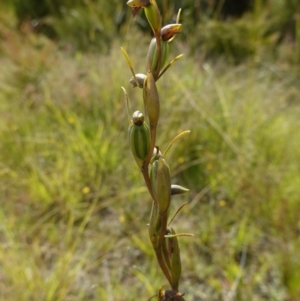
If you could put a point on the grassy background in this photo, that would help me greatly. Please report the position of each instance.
(74, 209)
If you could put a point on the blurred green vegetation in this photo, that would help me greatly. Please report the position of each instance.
(73, 207)
(215, 26)
(80, 24)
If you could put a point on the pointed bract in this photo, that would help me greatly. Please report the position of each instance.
(177, 189)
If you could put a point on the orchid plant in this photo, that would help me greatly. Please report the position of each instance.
(148, 156)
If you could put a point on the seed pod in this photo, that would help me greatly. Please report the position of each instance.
(160, 177)
(153, 16)
(177, 189)
(139, 137)
(161, 183)
(175, 260)
(169, 31)
(163, 186)
(140, 80)
(152, 56)
(151, 100)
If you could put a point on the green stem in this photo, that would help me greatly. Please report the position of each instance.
(148, 182)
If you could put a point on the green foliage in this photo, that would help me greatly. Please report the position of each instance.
(259, 31)
(236, 40)
(283, 15)
(93, 24)
(81, 24)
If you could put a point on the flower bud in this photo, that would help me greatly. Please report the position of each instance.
(140, 80)
(138, 3)
(138, 118)
(152, 57)
(139, 138)
(151, 100)
(156, 154)
(169, 31)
